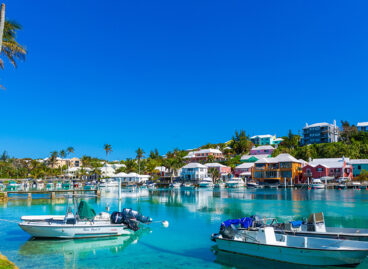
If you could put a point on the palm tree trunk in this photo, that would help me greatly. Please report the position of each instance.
(2, 24)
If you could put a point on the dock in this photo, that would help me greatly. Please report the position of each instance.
(51, 193)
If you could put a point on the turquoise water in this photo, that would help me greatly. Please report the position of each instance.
(193, 217)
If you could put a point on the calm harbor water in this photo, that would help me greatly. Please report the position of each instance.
(193, 216)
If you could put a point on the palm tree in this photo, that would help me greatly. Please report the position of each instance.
(215, 174)
(140, 154)
(108, 149)
(2, 23)
(69, 151)
(10, 47)
(53, 158)
(62, 154)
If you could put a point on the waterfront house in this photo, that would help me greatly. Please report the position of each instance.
(194, 172)
(244, 170)
(203, 154)
(358, 166)
(362, 126)
(279, 169)
(224, 170)
(132, 178)
(262, 150)
(162, 171)
(320, 133)
(253, 158)
(328, 168)
(72, 162)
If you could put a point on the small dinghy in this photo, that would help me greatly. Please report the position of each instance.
(238, 236)
(315, 226)
(83, 222)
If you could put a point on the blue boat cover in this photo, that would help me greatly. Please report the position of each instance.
(244, 222)
(296, 223)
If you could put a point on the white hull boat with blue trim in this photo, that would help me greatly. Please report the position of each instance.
(264, 243)
(83, 223)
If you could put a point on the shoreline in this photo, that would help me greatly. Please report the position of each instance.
(5, 263)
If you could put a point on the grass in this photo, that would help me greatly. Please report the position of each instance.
(5, 263)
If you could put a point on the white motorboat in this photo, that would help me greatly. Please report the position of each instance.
(220, 185)
(206, 183)
(315, 226)
(317, 184)
(235, 182)
(265, 243)
(83, 223)
(252, 184)
(151, 185)
(175, 185)
(187, 186)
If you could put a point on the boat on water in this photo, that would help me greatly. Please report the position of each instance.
(83, 222)
(264, 243)
(77, 185)
(109, 183)
(219, 185)
(206, 183)
(187, 186)
(151, 185)
(252, 184)
(235, 182)
(175, 185)
(66, 185)
(58, 185)
(317, 184)
(315, 226)
(90, 186)
(2, 187)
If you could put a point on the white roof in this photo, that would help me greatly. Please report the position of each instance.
(162, 169)
(121, 174)
(194, 165)
(284, 157)
(329, 162)
(263, 147)
(278, 139)
(362, 124)
(214, 165)
(359, 161)
(260, 156)
(193, 153)
(262, 136)
(320, 124)
(244, 165)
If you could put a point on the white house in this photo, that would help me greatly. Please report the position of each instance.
(194, 171)
(133, 178)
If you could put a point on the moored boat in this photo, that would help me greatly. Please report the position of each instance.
(265, 243)
(206, 183)
(83, 223)
(187, 186)
(175, 185)
(235, 182)
(220, 185)
(252, 184)
(317, 184)
(315, 226)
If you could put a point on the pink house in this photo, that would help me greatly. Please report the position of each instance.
(244, 170)
(223, 169)
(333, 168)
(262, 150)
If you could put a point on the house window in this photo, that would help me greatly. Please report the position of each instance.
(319, 169)
(359, 167)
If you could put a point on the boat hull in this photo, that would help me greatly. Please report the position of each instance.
(317, 257)
(74, 231)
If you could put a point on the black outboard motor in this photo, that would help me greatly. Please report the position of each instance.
(129, 213)
(228, 232)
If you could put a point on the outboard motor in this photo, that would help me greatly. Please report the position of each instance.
(228, 232)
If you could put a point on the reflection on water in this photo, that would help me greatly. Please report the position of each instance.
(74, 249)
(193, 216)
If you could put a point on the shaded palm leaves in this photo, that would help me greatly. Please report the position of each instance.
(11, 49)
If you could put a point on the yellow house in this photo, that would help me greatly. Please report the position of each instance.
(72, 162)
(279, 169)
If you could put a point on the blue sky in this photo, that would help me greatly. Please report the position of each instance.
(181, 74)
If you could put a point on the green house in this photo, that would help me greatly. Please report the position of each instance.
(253, 158)
(358, 166)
